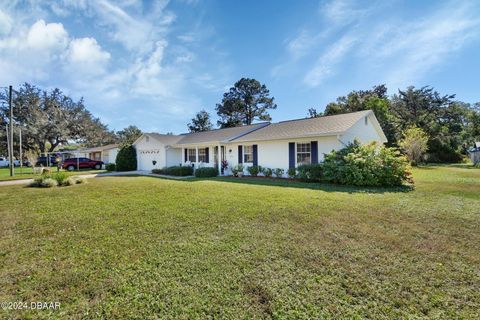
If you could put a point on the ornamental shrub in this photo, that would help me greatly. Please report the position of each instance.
(180, 171)
(110, 166)
(310, 172)
(49, 183)
(292, 173)
(206, 172)
(126, 159)
(80, 180)
(237, 170)
(253, 170)
(278, 172)
(267, 172)
(366, 165)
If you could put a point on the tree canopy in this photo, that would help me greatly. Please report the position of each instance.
(451, 126)
(201, 122)
(50, 118)
(128, 135)
(246, 101)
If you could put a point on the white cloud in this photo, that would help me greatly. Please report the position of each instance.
(396, 49)
(88, 51)
(6, 23)
(325, 65)
(47, 36)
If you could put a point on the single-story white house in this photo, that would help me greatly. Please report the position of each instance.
(107, 153)
(283, 145)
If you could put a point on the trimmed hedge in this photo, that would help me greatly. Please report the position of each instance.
(179, 171)
(206, 172)
(110, 166)
(254, 170)
(126, 159)
(310, 172)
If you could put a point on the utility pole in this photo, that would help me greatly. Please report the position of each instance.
(21, 153)
(10, 156)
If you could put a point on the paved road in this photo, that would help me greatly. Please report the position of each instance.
(99, 175)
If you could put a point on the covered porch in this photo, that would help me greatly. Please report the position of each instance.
(205, 155)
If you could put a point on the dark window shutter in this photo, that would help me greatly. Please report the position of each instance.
(207, 160)
(291, 154)
(240, 154)
(314, 145)
(255, 155)
(186, 155)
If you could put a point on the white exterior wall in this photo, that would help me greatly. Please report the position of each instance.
(174, 157)
(274, 154)
(363, 132)
(148, 151)
(110, 155)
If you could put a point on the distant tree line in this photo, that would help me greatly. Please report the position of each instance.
(50, 120)
(450, 126)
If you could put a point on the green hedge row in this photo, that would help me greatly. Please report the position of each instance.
(206, 172)
(180, 171)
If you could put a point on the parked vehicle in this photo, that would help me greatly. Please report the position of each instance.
(83, 163)
(4, 162)
(42, 161)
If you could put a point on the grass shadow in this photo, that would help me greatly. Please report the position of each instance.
(327, 187)
(285, 183)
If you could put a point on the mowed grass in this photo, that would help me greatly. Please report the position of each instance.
(142, 247)
(27, 173)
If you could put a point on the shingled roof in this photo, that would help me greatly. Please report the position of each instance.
(219, 135)
(301, 128)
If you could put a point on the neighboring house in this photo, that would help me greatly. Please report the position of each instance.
(475, 153)
(107, 153)
(283, 145)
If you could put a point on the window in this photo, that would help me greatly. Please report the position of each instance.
(247, 154)
(304, 155)
(192, 155)
(202, 155)
(366, 121)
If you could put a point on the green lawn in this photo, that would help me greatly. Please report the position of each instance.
(143, 247)
(27, 173)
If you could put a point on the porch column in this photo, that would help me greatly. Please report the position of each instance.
(219, 157)
(196, 154)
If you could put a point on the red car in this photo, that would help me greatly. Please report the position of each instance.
(71, 164)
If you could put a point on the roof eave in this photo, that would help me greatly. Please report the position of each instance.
(327, 134)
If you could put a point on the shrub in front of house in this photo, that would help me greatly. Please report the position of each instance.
(310, 172)
(159, 171)
(206, 172)
(110, 166)
(292, 173)
(366, 165)
(237, 170)
(267, 172)
(278, 172)
(254, 170)
(180, 171)
(126, 159)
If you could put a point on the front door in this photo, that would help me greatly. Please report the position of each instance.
(215, 156)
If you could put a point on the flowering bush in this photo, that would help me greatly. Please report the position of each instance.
(366, 165)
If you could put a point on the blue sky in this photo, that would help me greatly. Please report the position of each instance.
(154, 64)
